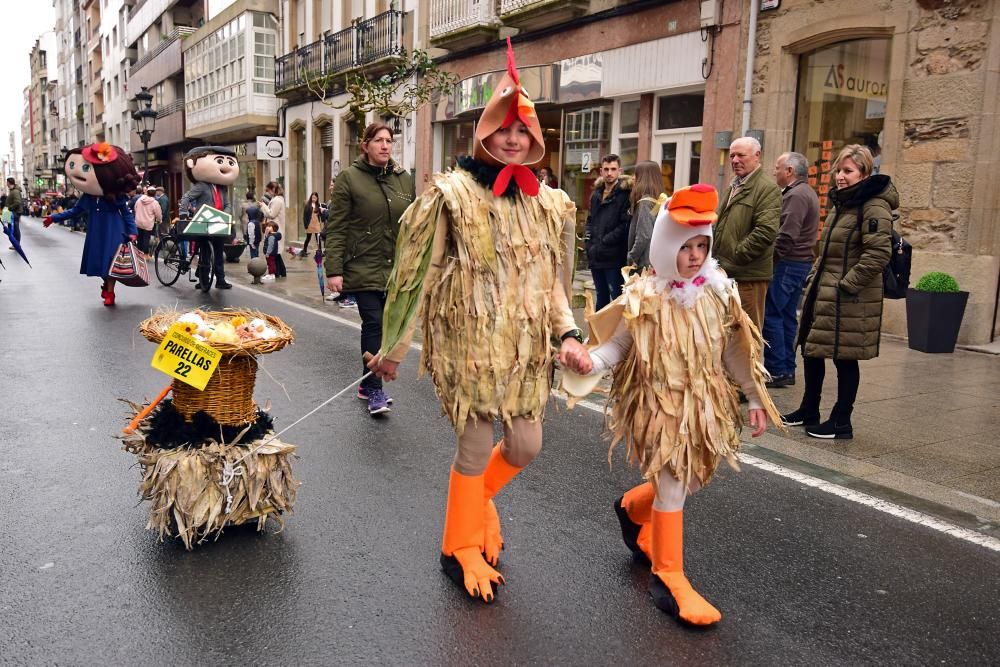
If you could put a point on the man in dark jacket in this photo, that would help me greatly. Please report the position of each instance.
(743, 237)
(794, 252)
(607, 231)
(16, 206)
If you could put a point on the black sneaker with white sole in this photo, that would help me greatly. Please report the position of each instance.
(800, 418)
(832, 429)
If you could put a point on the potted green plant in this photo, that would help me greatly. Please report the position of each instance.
(934, 310)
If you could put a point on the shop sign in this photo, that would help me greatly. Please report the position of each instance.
(580, 78)
(847, 82)
(473, 93)
(272, 148)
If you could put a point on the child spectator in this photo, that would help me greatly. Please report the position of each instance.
(272, 252)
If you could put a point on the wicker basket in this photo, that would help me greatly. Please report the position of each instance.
(228, 396)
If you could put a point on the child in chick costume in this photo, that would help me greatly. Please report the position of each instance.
(104, 174)
(481, 253)
(678, 341)
(211, 170)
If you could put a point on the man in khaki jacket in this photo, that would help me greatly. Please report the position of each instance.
(747, 226)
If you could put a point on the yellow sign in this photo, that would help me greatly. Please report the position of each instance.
(182, 357)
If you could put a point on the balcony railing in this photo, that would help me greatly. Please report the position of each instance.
(379, 37)
(508, 6)
(449, 16)
(179, 32)
(173, 107)
(364, 43)
(338, 51)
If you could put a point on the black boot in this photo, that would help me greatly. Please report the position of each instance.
(838, 426)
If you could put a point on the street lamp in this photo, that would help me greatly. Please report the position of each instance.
(57, 166)
(144, 123)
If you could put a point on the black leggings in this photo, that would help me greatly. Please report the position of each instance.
(848, 379)
(370, 306)
(319, 242)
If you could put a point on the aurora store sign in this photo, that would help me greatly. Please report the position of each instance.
(846, 83)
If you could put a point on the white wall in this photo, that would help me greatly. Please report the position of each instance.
(116, 116)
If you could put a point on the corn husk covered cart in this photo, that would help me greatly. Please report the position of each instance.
(209, 458)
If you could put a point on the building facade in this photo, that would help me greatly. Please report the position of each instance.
(117, 56)
(229, 85)
(156, 30)
(638, 79)
(918, 82)
(328, 39)
(71, 100)
(42, 154)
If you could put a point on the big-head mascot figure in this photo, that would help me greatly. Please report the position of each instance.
(211, 170)
(104, 174)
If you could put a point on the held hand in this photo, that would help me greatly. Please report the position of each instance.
(335, 283)
(382, 368)
(132, 237)
(758, 420)
(47, 221)
(575, 357)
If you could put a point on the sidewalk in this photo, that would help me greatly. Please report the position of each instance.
(925, 425)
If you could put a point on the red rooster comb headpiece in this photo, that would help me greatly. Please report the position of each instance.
(510, 102)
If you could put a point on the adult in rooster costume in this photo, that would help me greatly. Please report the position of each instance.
(481, 255)
(680, 345)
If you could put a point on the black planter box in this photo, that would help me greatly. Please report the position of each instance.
(234, 251)
(933, 319)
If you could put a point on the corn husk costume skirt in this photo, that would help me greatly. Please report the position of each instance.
(209, 458)
(486, 300)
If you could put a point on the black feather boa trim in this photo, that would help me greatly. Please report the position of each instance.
(167, 428)
(486, 174)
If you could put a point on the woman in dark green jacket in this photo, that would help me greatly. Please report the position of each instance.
(842, 312)
(368, 199)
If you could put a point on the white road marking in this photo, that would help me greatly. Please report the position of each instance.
(885, 506)
(895, 510)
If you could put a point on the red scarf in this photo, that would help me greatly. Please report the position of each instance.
(523, 176)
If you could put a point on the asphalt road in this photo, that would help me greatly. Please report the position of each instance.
(800, 575)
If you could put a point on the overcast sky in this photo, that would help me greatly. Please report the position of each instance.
(24, 23)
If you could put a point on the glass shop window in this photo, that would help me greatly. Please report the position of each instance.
(841, 100)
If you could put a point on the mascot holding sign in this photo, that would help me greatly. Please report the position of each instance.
(211, 169)
(104, 174)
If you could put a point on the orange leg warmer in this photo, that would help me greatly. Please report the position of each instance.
(675, 596)
(496, 476)
(462, 542)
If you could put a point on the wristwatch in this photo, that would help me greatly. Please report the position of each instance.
(573, 333)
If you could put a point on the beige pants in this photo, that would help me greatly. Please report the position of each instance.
(522, 441)
(753, 294)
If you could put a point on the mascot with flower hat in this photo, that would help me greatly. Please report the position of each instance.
(680, 346)
(482, 256)
(104, 174)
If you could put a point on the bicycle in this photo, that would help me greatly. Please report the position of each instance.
(170, 259)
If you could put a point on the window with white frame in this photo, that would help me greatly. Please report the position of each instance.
(627, 133)
(676, 147)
